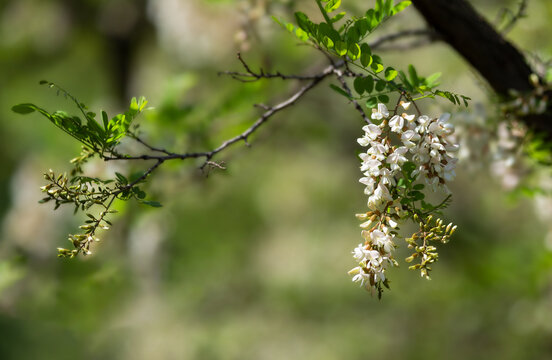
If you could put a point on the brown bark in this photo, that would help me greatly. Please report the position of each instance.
(496, 59)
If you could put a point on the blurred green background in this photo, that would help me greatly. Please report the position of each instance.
(251, 262)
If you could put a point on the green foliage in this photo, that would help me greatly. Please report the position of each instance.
(374, 84)
(349, 43)
(88, 131)
(83, 192)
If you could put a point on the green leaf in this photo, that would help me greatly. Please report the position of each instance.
(380, 85)
(359, 85)
(390, 73)
(362, 26)
(447, 95)
(327, 42)
(372, 102)
(416, 195)
(301, 35)
(377, 65)
(332, 5)
(419, 187)
(328, 36)
(407, 169)
(24, 108)
(365, 55)
(387, 8)
(372, 19)
(383, 99)
(368, 84)
(353, 51)
(303, 21)
(151, 203)
(142, 102)
(353, 35)
(433, 80)
(379, 7)
(405, 81)
(340, 48)
(406, 200)
(337, 17)
(401, 183)
(413, 75)
(105, 120)
(140, 194)
(121, 178)
(340, 91)
(400, 7)
(465, 99)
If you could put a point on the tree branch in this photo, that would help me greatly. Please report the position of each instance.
(514, 17)
(496, 59)
(208, 155)
(427, 35)
(339, 74)
(252, 76)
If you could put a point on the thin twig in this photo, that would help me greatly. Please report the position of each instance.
(520, 13)
(251, 76)
(339, 74)
(407, 46)
(208, 155)
(152, 148)
(429, 34)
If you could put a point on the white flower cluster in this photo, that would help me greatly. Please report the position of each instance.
(424, 142)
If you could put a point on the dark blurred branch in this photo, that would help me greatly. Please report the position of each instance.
(427, 36)
(496, 59)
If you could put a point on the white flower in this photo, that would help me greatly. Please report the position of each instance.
(378, 150)
(423, 122)
(370, 183)
(371, 167)
(420, 154)
(407, 117)
(405, 105)
(359, 253)
(397, 158)
(409, 137)
(360, 276)
(448, 170)
(382, 240)
(372, 131)
(432, 182)
(380, 196)
(392, 223)
(441, 127)
(396, 123)
(387, 177)
(373, 258)
(366, 224)
(380, 113)
(452, 147)
(364, 141)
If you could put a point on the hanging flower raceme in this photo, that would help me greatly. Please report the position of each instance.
(404, 154)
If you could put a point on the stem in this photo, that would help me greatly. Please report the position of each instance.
(324, 13)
